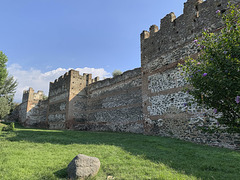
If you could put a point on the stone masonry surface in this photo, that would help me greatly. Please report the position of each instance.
(148, 100)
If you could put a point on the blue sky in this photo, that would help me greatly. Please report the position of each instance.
(45, 38)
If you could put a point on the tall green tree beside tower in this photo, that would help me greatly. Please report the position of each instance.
(7, 87)
(3, 69)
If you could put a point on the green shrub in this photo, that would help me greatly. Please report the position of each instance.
(214, 77)
(10, 127)
(116, 73)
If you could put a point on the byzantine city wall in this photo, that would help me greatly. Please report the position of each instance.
(147, 100)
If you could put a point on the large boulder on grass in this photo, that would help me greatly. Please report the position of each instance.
(82, 167)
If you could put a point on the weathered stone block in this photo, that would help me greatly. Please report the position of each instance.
(83, 167)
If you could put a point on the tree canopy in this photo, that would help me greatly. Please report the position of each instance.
(3, 69)
(7, 87)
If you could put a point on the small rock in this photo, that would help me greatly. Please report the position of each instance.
(82, 167)
(110, 177)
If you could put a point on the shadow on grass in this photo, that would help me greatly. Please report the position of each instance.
(189, 158)
(62, 173)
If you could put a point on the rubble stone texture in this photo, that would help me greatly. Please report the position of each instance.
(147, 100)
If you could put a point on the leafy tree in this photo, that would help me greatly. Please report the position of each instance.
(4, 107)
(3, 69)
(7, 87)
(214, 77)
(116, 73)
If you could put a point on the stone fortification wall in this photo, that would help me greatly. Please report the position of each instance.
(163, 99)
(115, 104)
(36, 116)
(68, 99)
(58, 102)
(77, 110)
(145, 100)
(22, 108)
(22, 112)
(33, 110)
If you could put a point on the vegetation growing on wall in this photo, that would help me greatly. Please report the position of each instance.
(215, 75)
(116, 73)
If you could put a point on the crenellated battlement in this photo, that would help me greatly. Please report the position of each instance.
(70, 82)
(61, 78)
(191, 7)
(26, 94)
(177, 31)
(75, 74)
(30, 96)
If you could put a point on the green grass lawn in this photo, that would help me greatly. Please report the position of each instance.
(44, 154)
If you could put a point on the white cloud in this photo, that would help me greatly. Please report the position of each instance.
(40, 81)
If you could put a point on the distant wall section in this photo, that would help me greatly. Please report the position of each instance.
(115, 104)
(33, 109)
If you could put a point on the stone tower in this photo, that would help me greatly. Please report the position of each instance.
(67, 99)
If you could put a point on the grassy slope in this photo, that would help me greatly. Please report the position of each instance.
(45, 154)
